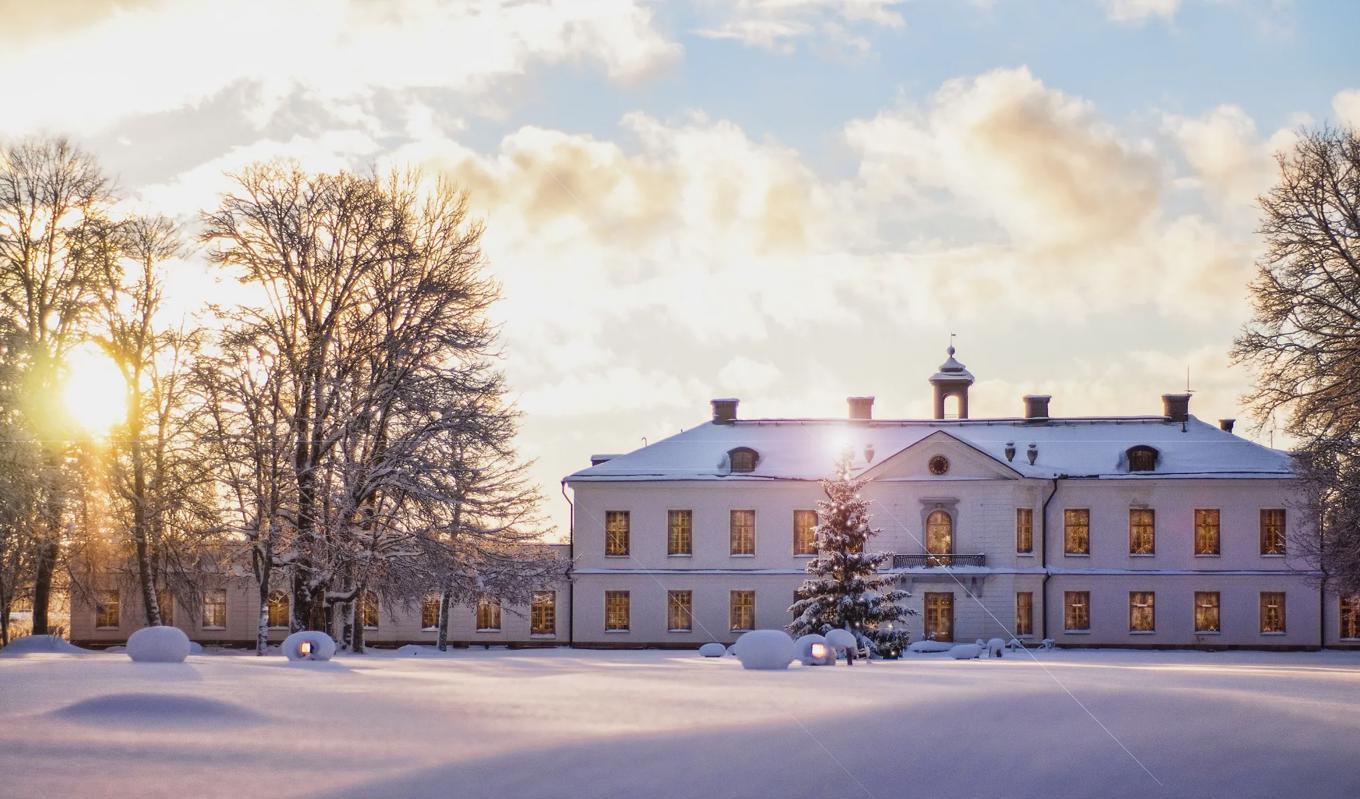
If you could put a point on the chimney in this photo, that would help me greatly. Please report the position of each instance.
(725, 410)
(861, 408)
(1176, 407)
(1036, 407)
(1226, 425)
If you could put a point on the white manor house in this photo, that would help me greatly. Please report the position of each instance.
(1153, 531)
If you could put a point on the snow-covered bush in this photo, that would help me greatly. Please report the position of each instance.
(158, 645)
(810, 657)
(842, 640)
(965, 652)
(930, 646)
(1014, 643)
(996, 648)
(195, 648)
(308, 645)
(765, 649)
(713, 649)
(41, 644)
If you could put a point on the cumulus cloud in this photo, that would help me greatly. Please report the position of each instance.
(1138, 11)
(781, 25)
(145, 57)
(1231, 160)
(1346, 106)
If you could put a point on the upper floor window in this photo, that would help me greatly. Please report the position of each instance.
(1350, 617)
(1142, 612)
(679, 532)
(616, 533)
(804, 532)
(1272, 612)
(616, 611)
(939, 537)
(1142, 458)
(743, 529)
(1077, 531)
(368, 610)
(278, 609)
(215, 609)
(1272, 531)
(743, 459)
(543, 613)
(1024, 531)
(488, 615)
(1142, 531)
(106, 609)
(743, 610)
(1206, 531)
(429, 611)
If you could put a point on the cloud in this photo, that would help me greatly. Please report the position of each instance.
(781, 25)
(1232, 162)
(145, 57)
(1346, 106)
(1139, 11)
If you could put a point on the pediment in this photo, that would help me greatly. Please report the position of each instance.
(964, 462)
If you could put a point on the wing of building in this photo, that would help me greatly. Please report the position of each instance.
(1158, 530)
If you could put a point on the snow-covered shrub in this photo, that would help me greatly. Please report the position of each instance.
(842, 640)
(965, 652)
(713, 649)
(826, 656)
(765, 649)
(1047, 644)
(158, 645)
(195, 648)
(995, 648)
(308, 645)
(929, 646)
(41, 644)
(1014, 643)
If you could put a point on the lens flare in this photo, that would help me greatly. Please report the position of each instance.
(93, 391)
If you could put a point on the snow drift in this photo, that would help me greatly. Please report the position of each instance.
(765, 650)
(158, 645)
(155, 710)
(713, 650)
(41, 645)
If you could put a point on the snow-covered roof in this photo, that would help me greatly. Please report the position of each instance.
(804, 449)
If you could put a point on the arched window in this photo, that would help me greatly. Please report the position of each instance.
(743, 459)
(1142, 458)
(939, 538)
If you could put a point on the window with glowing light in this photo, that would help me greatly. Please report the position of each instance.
(106, 610)
(1077, 531)
(617, 611)
(215, 609)
(1024, 613)
(1272, 531)
(1206, 612)
(1350, 617)
(679, 532)
(1142, 612)
(488, 615)
(1077, 611)
(743, 532)
(368, 610)
(1142, 531)
(543, 613)
(278, 610)
(804, 532)
(429, 611)
(1207, 531)
(1272, 612)
(680, 611)
(1024, 531)
(742, 611)
(616, 533)
(939, 538)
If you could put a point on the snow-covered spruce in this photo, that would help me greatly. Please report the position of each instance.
(765, 649)
(713, 649)
(844, 589)
(826, 656)
(308, 645)
(158, 645)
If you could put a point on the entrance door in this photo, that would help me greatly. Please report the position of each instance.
(939, 617)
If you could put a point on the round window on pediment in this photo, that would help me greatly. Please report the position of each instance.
(938, 465)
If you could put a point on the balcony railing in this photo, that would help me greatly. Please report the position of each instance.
(923, 560)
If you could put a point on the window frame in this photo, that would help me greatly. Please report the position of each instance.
(103, 606)
(1069, 606)
(1217, 531)
(1024, 531)
(1025, 630)
(369, 604)
(1354, 612)
(676, 535)
(1283, 612)
(732, 530)
(1268, 536)
(744, 453)
(543, 614)
(1218, 612)
(627, 611)
(1139, 451)
(425, 602)
(287, 610)
(1068, 527)
(673, 604)
(1138, 529)
(1139, 600)
(745, 607)
(810, 550)
(612, 520)
(213, 592)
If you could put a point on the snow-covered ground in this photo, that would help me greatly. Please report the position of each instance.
(563, 723)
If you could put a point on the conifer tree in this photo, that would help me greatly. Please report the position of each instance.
(844, 588)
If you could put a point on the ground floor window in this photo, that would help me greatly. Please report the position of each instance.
(278, 609)
(106, 610)
(543, 613)
(1350, 617)
(429, 611)
(1272, 612)
(1024, 613)
(215, 609)
(939, 619)
(1206, 612)
(165, 603)
(1142, 612)
(742, 612)
(368, 610)
(616, 611)
(1077, 611)
(679, 611)
(488, 615)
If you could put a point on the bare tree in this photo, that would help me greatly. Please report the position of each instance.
(1304, 339)
(50, 191)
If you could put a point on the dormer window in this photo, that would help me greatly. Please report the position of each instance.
(742, 459)
(1142, 458)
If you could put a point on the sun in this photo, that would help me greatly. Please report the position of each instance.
(93, 391)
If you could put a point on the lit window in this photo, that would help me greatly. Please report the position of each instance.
(1272, 611)
(429, 611)
(1077, 611)
(488, 615)
(368, 610)
(679, 611)
(1024, 613)
(743, 459)
(743, 526)
(1350, 617)
(1024, 530)
(805, 532)
(616, 533)
(1142, 531)
(1142, 458)
(1142, 612)
(743, 611)
(680, 532)
(616, 611)
(939, 538)
(278, 609)
(165, 603)
(543, 613)
(1206, 612)
(106, 610)
(1077, 531)
(215, 609)
(1272, 531)
(1206, 531)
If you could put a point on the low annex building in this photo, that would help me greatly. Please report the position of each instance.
(1157, 530)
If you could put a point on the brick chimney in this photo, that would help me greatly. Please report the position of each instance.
(1036, 407)
(725, 410)
(1176, 407)
(861, 408)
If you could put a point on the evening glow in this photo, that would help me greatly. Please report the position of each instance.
(93, 392)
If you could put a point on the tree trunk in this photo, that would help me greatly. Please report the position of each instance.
(263, 574)
(145, 577)
(445, 597)
(42, 583)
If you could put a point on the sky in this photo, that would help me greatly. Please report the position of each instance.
(785, 201)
